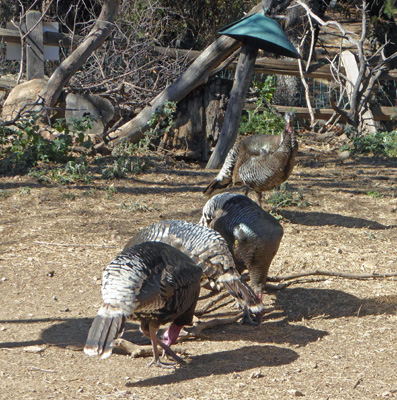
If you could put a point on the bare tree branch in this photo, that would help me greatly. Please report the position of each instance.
(22, 112)
(303, 77)
(100, 31)
(367, 75)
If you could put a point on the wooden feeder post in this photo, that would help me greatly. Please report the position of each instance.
(242, 79)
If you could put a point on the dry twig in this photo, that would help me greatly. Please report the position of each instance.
(346, 275)
(76, 245)
(211, 303)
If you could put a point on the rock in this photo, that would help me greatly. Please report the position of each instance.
(296, 393)
(235, 375)
(344, 155)
(101, 110)
(22, 95)
(33, 349)
(256, 374)
(47, 132)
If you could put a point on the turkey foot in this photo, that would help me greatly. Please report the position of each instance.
(156, 359)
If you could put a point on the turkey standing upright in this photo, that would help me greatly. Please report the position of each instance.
(253, 234)
(210, 251)
(260, 162)
(152, 282)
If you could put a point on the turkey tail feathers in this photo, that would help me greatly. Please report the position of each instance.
(107, 326)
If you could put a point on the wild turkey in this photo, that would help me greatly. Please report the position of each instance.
(261, 162)
(210, 250)
(253, 234)
(153, 283)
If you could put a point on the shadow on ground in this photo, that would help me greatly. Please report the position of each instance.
(321, 219)
(223, 363)
(291, 304)
(300, 303)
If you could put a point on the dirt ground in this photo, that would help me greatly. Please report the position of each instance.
(323, 337)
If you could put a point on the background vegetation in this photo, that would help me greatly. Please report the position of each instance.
(130, 71)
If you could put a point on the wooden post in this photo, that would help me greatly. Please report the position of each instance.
(228, 135)
(35, 46)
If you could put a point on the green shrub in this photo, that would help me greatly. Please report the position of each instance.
(380, 144)
(118, 170)
(283, 198)
(261, 120)
(375, 194)
(25, 190)
(110, 192)
(5, 193)
(22, 148)
(68, 196)
(77, 170)
(135, 206)
(72, 172)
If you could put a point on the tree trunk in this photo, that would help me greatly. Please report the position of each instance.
(101, 30)
(364, 118)
(242, 80)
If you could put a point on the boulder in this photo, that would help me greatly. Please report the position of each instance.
(100, 109)
(22, 96)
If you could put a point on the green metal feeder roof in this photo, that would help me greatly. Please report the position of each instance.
(262, 32)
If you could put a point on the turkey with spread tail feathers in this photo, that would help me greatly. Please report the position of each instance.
(252, 233)
(209, 250)
(260, 162)
(153, 283)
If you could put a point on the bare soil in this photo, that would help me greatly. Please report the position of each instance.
(323, 337)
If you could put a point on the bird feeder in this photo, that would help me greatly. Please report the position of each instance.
(255, 32)
(263, 33)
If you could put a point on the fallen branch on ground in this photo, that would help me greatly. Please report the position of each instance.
(141, 351)
(196, 330)
(346, 275)
(76, 245)
(211, 303)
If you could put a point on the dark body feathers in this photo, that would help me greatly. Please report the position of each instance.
(253, 234)
(210, 251)
(151, 282)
